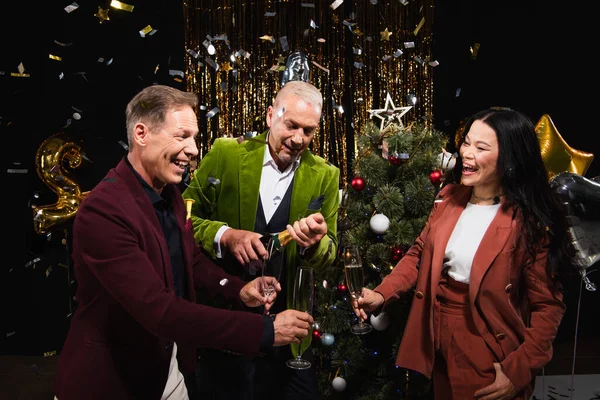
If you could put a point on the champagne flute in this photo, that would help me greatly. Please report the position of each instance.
(355, 281)
(272, 265)
(302, 300)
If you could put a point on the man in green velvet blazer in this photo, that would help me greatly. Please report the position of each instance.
(240, 183)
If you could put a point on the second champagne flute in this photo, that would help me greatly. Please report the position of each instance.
(302, 300)
(355, 280)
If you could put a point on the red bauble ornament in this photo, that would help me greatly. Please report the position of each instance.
(341, 287)
(436, 177)
(395, 160)
(317, 334)
(396, 253)
(358, 183)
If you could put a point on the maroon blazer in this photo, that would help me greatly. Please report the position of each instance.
(121, 336)
(519, 334)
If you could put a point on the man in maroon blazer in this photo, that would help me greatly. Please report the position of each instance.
(139, 270)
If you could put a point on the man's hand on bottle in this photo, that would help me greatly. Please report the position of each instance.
(309, 230)
(245, 246)
(252, 293)
(291, 326)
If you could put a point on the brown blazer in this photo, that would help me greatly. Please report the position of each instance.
(519, 334)
(121, 337)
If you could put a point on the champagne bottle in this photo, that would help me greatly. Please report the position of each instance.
(276, 241)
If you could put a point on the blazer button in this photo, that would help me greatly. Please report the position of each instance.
(508, 288)
(169, 347)
(500, 336)
(419, 294)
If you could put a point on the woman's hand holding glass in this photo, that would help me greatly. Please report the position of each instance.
(368, 301)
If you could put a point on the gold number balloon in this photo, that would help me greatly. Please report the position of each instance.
(49, 160)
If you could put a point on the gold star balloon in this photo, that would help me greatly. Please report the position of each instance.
(558, 156)
(102, 15)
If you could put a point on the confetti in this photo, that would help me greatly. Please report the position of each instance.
(267, 38)
(321, 40)
(419, 60)
(385, 35)
(17, 75)
(307, 5)
(123, 144)
(474, 50)
(212, 113)
(284, 43)
(61, 76)
(211, 62)
(50, 353)
(398, 53)
(386, 57)
(409, 45)
(121, 6)
(48, 271)
(53, 57)
(192, 53)
(418, 28)
(457, 93)
(176, 72)
(403, 2)
(320, 66)
(62, 44)
(21, 68)
(357, 51)
(16, 171)
(433, 63)
(358, 65)
(102, 15)
(147, 30)
(270, 13)
(30, 263)
(336, 4)
(313, 24)
(71, 7)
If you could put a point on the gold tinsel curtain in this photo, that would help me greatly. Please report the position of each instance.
(236, 50)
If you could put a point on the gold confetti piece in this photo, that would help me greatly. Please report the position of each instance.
(121, 6)
(102, 15)
(335, 18)
(226, 66)
(21, 68)
(357, 32)
(267, 38)
(156, 69)
(145, 31)
(53, 57)
(385, 35)
(177, 79)
(16, 74)
(50, 353)
(418, 28)
(48, 271)
(474, 50)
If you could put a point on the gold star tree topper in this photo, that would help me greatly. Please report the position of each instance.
(102, 15)
(558, 156)
(389, 113)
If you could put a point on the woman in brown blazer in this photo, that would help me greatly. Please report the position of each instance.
(486, 269)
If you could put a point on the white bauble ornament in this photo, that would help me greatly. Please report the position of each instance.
(446, 161)
(327, 339)
(379, 223)
(380, 322)
(339, 384)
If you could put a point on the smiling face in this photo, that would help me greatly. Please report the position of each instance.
(479, 153)
(165, 150)
(292, 123)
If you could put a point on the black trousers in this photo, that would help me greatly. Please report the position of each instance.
(223, 376)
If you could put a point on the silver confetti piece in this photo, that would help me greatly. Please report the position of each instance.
(284, 43)
(409, 45)
(212, 113)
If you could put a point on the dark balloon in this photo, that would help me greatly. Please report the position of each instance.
(582, 197)
(296, 68)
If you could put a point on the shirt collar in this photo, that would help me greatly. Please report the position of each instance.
(155, 198)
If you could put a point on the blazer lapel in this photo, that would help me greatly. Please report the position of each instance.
(303, 183)
(250, 167)
(492, 243)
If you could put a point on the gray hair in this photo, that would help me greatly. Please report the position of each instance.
(152, 104)
(306, 91)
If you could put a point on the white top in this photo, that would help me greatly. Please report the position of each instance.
(465, 239)
(273, 185)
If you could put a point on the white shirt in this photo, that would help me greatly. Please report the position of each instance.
(273, 185)
(465, 239)
(175, 388)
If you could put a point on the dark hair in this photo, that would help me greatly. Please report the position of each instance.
(525, 183)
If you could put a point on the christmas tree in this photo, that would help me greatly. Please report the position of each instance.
(396, 176)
